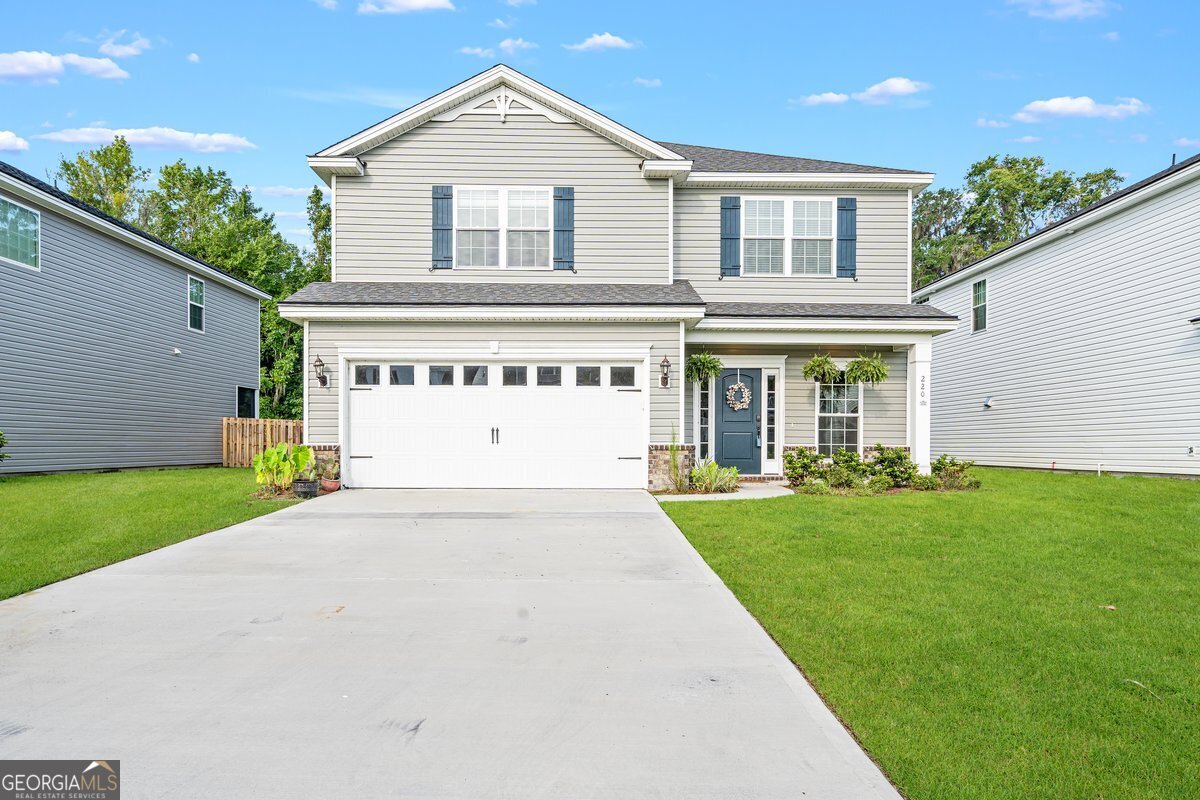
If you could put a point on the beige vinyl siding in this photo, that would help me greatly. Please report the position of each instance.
(1089, 356)
(884, 419)
(461, 340)
(883, 274)
(384, 218)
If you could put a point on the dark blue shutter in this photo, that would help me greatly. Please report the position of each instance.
(564, 227)
(731, 236)
(847, 237)
(443, 227)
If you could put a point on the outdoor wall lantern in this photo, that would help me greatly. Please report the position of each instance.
(319, 371)
(664, 378)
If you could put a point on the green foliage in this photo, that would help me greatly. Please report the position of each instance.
(851, 461)
(276, 467)
(867, 369)
(925, 483)
(678, 475)
(701, 367)
(331, 470)
(820, 368)
(817, 486)
(710, 478)
(3, 443)
(840, 476)
(802, 465)
(880, 483)
(106, 178)
(1002, 199)
(202, 212)
(895, 464)
(953, 473)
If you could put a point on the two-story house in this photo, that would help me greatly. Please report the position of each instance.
(518, 281)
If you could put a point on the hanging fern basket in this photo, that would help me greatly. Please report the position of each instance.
(867, 369)
(822, 369)
(701, 367)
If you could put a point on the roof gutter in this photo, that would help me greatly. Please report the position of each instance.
(888, 180)
(488, 313)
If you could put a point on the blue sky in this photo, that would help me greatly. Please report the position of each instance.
(252, 87)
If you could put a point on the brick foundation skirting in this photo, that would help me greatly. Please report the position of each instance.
(660, 464)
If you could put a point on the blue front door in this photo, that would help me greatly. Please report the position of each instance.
(738, 435)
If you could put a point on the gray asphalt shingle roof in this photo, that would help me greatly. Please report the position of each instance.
(496, 294)
(59, 194)
(716, 159)
(827, 310)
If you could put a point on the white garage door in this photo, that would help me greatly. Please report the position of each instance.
(513, 424)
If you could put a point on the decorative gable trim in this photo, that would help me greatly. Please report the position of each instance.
(487, 83)
(503, 103)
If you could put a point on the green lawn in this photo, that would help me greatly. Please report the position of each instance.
(56, 526)
(964, 637)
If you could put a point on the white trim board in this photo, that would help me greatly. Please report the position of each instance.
(493, 313)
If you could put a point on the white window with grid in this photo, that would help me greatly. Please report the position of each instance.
(789, 236)
(839, 417)
(20, 234)
(501, 228)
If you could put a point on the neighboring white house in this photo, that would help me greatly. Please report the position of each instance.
(518, 281)
(1080, 345)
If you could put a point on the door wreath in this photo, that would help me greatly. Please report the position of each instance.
(738, 396)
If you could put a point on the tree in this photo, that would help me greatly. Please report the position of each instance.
(1003, 199)
(106, 178)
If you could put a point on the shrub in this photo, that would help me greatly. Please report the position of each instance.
(925, 483)
(3, 442)
(851, 461)
(276, 467)
(840, 477)
(711, 478)
(801, 466)
(880, 483)
(895, 463)
(816, 486)
(953, 473)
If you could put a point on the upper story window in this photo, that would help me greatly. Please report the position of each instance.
(979, 306)
(502, 228)
(788, 236)
(20, 234)
(195, 304)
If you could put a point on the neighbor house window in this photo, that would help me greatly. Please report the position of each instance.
(788, 236)
(195, 304)
(979, 306)
(839, 417)
(247, 402)
(501, 227)
(20, 234)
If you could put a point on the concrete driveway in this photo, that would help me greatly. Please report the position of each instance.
(447, 644)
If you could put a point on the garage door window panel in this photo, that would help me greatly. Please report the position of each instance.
(401, 375)
(549, 376)
(366, 374)
(475, 375)
(441, 376)
(587, 376)
(515, 376)
(622, 376)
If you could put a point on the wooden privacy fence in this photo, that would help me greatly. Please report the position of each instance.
(243, 438)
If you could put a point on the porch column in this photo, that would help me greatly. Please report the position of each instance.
(920, 354)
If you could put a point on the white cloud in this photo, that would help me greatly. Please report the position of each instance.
(1063, 107)
(1064, 9)
(38, 66)
(366, 95)
(482, 52)
(286, 191)
(649, 83)
(601, 41)
(519, 3)
(11, 143)
(156, 137)
(137, 45)
(328, 5)
(403, 6)
(194, 58)
(822, 99)
(291, 214)
(984, 122)
(1184, 141)
(1112, 36)
(1026, 139)
(502, 24)
(888, 90)
(513, 46)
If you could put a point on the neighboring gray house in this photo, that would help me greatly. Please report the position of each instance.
(118, 350)
(1080, 346)
(518, 280)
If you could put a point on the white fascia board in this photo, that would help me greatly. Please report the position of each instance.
(849, 180)
(328, 166)
(1062, 230)
(661, 168)
(40, 198)
(422, 112)
(828, 324)
(544, 352)
(894, 339)
(493, 313)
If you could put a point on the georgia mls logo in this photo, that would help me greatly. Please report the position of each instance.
(60, 780)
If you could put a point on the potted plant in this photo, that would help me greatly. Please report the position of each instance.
(701, 367)
(305, 485)
(331, 476)
(867, 369)
(280, 468)
(822, 369)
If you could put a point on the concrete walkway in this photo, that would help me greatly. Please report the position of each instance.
(422, 645)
